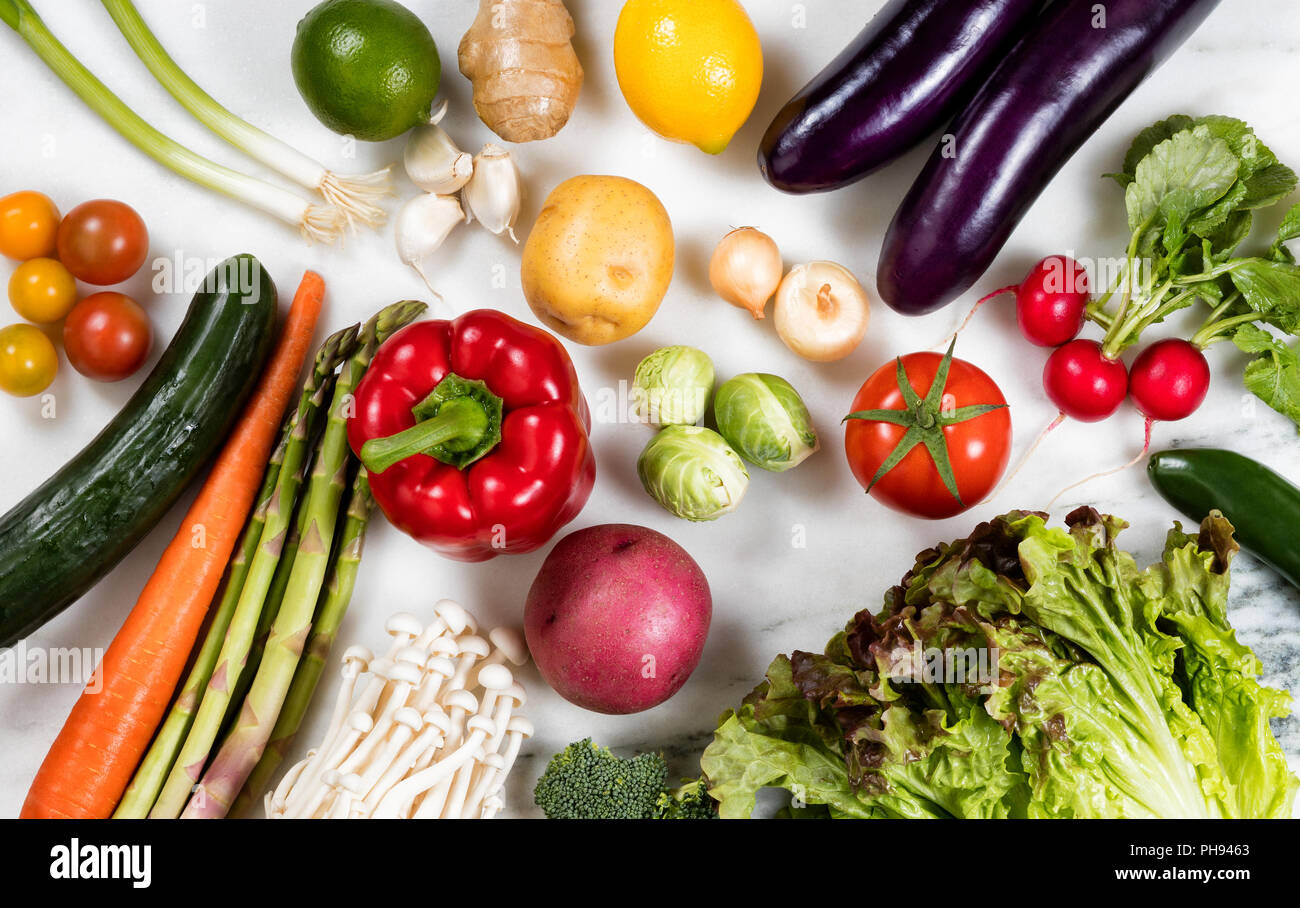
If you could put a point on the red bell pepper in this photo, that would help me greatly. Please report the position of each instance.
(475, 433)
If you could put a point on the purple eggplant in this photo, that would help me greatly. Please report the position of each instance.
(902, 78)
(1052, 92)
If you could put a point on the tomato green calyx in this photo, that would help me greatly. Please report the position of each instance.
(458, 423)
(924, 419)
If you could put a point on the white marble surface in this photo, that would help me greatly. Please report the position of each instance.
(768, 596)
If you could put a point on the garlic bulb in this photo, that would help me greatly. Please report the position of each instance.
(745, 269)
(821, 311)
(433, 162)
(422, 225)
(493, 193)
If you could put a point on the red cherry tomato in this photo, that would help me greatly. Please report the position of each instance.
(978, 448)
(103, 242)
(107, 336)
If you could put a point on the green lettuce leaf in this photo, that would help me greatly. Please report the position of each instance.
(1219, 674)
(1113, 691)
(1087, 590)
(774, 740)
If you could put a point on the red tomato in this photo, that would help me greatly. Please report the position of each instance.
(978, 448)
(107, 336)
(103, 242)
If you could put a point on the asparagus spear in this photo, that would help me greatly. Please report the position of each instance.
(149, 775)
(157, 763)
(188, 764)
(243, 747)
(329, 615)
(275, 592)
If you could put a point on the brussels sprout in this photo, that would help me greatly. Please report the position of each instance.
(764, 419)
(672, 386)
(692, 472)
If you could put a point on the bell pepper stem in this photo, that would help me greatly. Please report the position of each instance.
(461, 422)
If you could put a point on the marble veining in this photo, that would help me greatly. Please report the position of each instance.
(770, 595)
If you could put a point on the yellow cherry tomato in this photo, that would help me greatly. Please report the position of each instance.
(29, 225)
(42, 291)
(28, 360)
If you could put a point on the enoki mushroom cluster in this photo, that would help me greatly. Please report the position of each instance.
(429, 730)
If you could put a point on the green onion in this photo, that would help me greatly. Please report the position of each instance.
(355, 196)
(315, 222)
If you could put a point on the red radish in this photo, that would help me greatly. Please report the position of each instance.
(1050, 301)
(1169, 380)
(1083, 383)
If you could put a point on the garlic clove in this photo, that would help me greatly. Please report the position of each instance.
(745, 269)
(821, 311)
(422, 225)
(434, 163)
(493, 194)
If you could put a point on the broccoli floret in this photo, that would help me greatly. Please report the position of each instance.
(690, 802)
(587, 782)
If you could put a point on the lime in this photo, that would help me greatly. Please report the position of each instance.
(366, 68)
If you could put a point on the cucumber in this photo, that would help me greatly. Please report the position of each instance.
(63, 537)
(1263, 507)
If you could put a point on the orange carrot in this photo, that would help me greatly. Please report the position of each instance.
(92, 759)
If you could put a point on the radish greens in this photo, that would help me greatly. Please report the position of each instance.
(1191, 188)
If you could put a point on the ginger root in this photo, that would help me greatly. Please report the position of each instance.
(525, 73)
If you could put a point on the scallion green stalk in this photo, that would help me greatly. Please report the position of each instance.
(354, 196)
(315, 222)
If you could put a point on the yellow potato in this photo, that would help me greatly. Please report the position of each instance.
(599, 259)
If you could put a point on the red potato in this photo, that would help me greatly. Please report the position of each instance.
(617, 618)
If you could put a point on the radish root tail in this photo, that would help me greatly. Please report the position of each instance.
(1024, 458)
(975, 308)
(1141, 455)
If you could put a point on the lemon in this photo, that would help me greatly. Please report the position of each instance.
(689, 69)
(366, 68)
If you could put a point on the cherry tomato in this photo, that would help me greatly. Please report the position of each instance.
(29, 223)
(107, 336)
(103, 242)
(42, 290)
(978, 447)
(28, 360)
